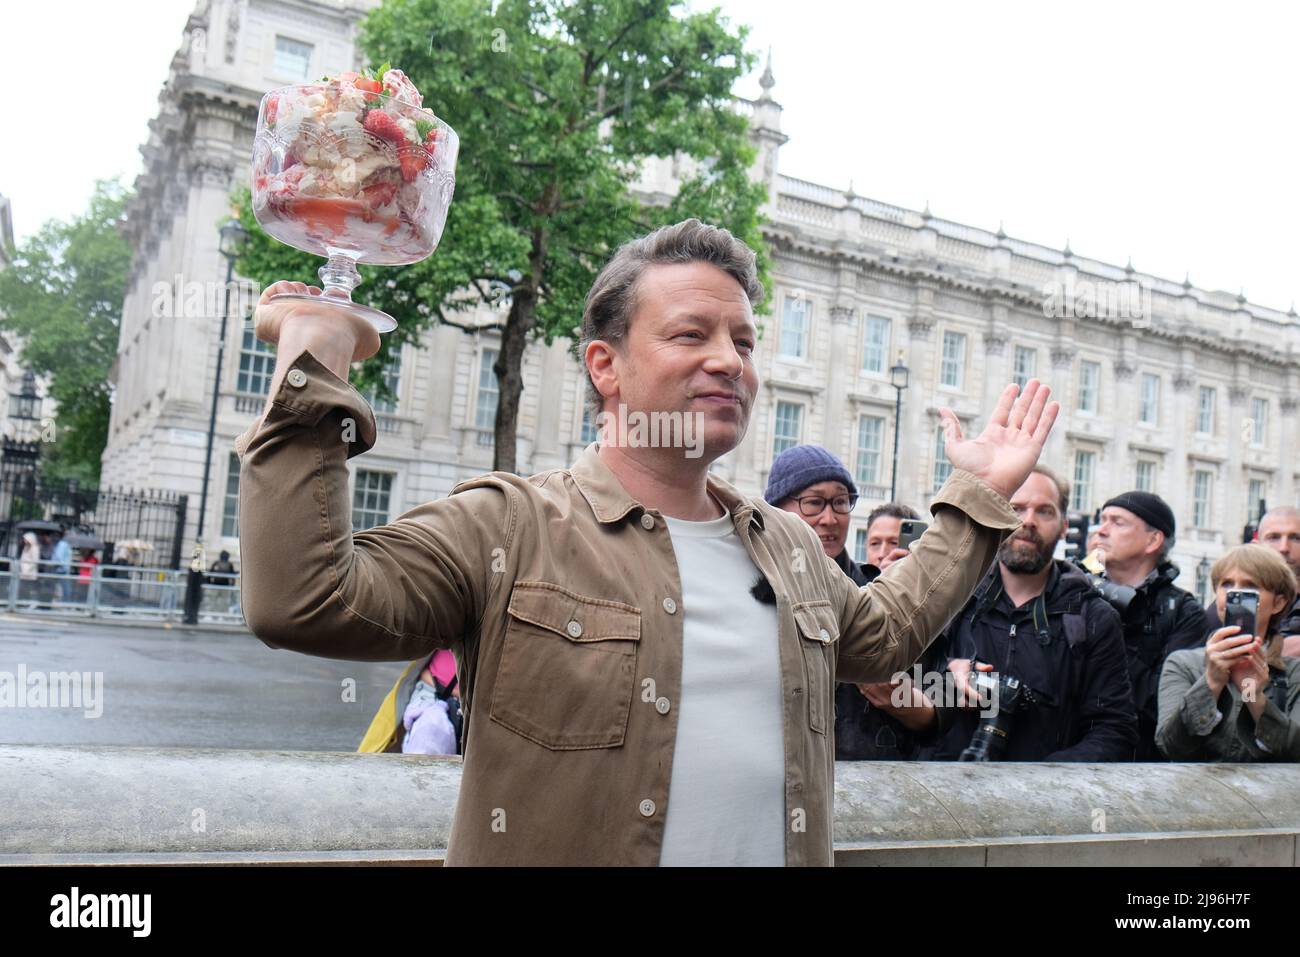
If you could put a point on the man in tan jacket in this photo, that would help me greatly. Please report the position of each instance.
(626, 700)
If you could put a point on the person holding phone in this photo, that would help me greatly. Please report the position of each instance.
(1238, 698)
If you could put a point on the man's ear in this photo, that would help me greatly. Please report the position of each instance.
(1160, 543)
(600, 358)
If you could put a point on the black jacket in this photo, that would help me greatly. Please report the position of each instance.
(1068, 647)
(862, 731)
(1161, 619)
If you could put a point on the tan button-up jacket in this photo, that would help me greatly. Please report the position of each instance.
(560, 596)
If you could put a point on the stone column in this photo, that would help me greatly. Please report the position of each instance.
(916, 439)
(1290, 401)
(552, 433)
(1176, 490)
(1123, 412)
(1058, 447)
(841, 355)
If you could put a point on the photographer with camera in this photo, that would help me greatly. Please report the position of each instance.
(1042, 647)
(1134, 539)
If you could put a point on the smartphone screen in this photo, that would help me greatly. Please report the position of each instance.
(909, 530)
(1241, 608)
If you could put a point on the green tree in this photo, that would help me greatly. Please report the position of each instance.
(557, 105)
(62, 296)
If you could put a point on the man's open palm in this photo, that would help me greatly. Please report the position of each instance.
(1010, 444)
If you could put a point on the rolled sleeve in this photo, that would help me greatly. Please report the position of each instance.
(887, 625)
(1188, 711)
(396, 592)
(1200, 711)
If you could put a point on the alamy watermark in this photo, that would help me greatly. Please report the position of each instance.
(1100, 299)
(652, 430)
(191, 299)
(53, 689)
(944, 690)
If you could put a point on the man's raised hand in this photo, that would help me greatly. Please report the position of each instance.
(1003, 454)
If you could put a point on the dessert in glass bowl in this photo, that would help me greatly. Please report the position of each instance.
(354, 169)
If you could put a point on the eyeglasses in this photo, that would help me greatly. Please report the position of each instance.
(812, 505)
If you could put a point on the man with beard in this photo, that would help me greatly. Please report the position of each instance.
(1039, 620)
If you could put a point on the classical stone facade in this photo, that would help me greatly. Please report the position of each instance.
(1188, 392)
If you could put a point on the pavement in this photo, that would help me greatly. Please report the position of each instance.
(168, 685)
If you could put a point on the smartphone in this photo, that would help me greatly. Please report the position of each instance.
(1241, 608)
(909, 530)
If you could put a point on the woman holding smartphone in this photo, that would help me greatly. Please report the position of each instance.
(1238, 698)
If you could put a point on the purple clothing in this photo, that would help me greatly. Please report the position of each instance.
(428, 729)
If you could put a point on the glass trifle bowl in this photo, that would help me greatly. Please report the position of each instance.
(354, 169)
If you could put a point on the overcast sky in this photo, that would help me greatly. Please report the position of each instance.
(1167, 132)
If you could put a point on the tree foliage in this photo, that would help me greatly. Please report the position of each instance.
(62, 297)
(558, 103)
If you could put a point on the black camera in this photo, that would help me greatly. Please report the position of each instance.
(992, 735)
(1119, 596)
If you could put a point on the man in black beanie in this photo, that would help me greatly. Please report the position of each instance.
(1135, 537)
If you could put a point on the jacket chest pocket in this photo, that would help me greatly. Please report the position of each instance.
(567, 670)
(819, 630)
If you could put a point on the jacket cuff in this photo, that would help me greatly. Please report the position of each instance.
(308, 393)
(1272, 729)
(981, 503)
(1201, 713)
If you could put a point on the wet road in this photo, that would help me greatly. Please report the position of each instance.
(185, 687)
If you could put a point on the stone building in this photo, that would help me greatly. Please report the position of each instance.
(1187, 392)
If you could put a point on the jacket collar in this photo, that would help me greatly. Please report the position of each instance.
(610, 502)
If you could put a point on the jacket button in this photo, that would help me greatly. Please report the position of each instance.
(647, 808)
(670, 606)
(662, 705)
(297, 378)
(824, 635)
(647, 521)
(574, 629)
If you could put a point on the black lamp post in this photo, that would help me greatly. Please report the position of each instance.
(898, 379)
(1202, 579)
(232, 237)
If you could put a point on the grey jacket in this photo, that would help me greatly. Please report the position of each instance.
(1187, 730)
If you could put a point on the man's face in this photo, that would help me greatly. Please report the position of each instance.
(1124, 537)
(831, 527)
(688, 349)
(882, 538)
(1037, 504)
(1282, 533)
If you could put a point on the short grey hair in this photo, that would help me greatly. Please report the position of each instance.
(612, 299)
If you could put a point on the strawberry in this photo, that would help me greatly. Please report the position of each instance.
(385, 127)
(271, 106)
(372, 88)
(412, 160)
(379, 194)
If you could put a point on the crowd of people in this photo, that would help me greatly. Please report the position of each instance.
(1103, 659)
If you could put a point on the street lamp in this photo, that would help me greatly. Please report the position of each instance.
(898, 379)
(1202, 579)
(233, 235)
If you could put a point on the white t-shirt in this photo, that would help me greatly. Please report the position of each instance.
(726, 797)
